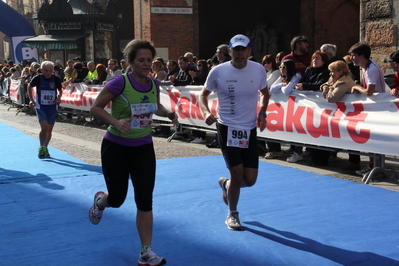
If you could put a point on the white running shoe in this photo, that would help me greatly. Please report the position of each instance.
(233, 222)
(294, 158)
(95, 214)
(149, 258)
(198, 141)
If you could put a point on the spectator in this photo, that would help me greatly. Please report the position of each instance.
(394, 61)
(289, 77)
(272, 72)
(314, 76)
(339, 82)
(70, 73)
(190, 58)
(92, 72)
(199, 78)
(214, 61)
(112, 70)
(80, 73)
(279, 58)
(222, 53)
(355, 70)
(331, 51)
(101, 75)
(157, 70)
(124, 66)
(15, 75)
(173, 69)
(183, 78)
(299, 53)
(372, 81)
(337, 86)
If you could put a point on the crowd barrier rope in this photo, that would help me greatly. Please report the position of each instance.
(356, 122)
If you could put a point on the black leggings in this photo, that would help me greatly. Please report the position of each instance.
(118, 162)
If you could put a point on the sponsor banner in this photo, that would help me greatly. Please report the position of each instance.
(80, 97)
(16, 92)
(356, 122)
(21, 51)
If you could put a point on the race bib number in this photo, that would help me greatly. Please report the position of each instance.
(48, 97)
(142, 114)
(238, 137)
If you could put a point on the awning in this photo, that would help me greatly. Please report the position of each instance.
(52, 42)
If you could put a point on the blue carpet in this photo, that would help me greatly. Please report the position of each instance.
(291, 217)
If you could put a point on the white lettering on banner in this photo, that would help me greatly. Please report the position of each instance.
(357, 122)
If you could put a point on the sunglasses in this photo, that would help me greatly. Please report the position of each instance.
(282, 67)
(199, 65)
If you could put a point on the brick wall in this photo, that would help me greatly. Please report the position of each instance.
(178, 33)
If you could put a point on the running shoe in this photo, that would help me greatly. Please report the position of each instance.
(294, 158)
(149, 258)
(364, 171)
(42, 153)
(95, 214)
(47, 154)
(273, 154)
(233, 222)
(222, 183)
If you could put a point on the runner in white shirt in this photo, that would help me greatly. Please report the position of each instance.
(237, 84)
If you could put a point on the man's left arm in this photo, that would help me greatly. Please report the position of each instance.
(264, 102)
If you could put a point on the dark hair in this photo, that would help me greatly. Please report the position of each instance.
(269, 58)
(174, 63)
(132, 48)
(361, 48)
(183, 59)
(324, 57)
(296, 40)
(205, 68)
(279, 57)
(291, 69)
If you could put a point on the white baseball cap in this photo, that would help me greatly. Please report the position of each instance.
(240, 40)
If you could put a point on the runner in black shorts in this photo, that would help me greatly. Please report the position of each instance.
(236, 156)
(238, 84)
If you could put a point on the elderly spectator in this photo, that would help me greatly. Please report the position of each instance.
(339, 82)
(331, 51)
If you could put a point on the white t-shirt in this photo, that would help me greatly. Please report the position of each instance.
(238, 93)
(373, 75)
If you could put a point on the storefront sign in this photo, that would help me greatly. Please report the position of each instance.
(105, 26)
(171, 10)
(64, 26)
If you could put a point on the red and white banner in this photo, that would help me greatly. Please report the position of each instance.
(356, 122)
(15, 91)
